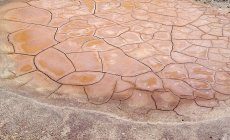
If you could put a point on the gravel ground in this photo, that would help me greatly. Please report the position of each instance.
(217, 3)
(22, 118)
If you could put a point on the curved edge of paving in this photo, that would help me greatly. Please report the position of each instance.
(36, 120)
(174, 27)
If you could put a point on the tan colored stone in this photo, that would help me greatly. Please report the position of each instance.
(163, 46)
(179, 88)
(197, 51)
(75, 28)
(37, 83)
(33, 40)
(11, 26)
(206, 103)
(57, 66)
(22, 64)
(81, 78)
(154, 64)
(189, 108)
(29, 15)
(182, 58)
(73, 45)
(75, 94)
(143, 50)
(131, 37)
(200, 72)
(174, 71)
(148, 81)
(97, 45)
(102, 91)
(206, 94)
(115, 62)
(221, 97)
(198, 84)
(86, 61)
(111, 31)
(222, 78)
(222, 89)
(123, 85)
(162, 35)
(139, 102)
(165, 100)
(122, 95)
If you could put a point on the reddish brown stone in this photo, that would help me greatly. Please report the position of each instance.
(102, 91)
(28, 41)
(115, 62)
(86, 61)
(82, 78)
(57, 66)
(29, 15)
(148, 81)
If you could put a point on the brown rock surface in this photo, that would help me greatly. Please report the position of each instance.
(145, 60)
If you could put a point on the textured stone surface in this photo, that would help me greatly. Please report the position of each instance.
(24, 118)
(137, 57)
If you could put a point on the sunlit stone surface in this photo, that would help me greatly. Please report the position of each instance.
(138, 56)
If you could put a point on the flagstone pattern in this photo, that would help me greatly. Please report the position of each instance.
(169, 55)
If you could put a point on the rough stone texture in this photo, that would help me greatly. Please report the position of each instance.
(25, 118)
(148, 60)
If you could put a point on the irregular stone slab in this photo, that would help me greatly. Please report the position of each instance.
(187, 32)
(57, 66)
(29, 15)
(38, 84)
(33, 40)
(222, 78)
(206, 94)
(73, 45)
(174, 71)
(179, 88)
(122, 95)
(123, 85)
(86, 61)
(11, 26)
(189, 108)
(116, 61)
(5, 46)
(197, 51)
(75, 94)
(182, 58)
(143, 50)
(206, 103)
(75, 28)
(139, 102)
(144, 55)
(90, 4)
(82, 78)
(111, 31)
(97, 45)
(165, 100)
(132, 37)
(117, 17)
(154, 64)
(198, 84)
(102, 91)
(52, 4)
(22, 64)
(200, 72)
(222, 88)
(12, 5)
(149, 81)
(164, 46)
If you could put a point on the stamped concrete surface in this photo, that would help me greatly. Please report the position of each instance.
(157, 61)
(23, 118)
